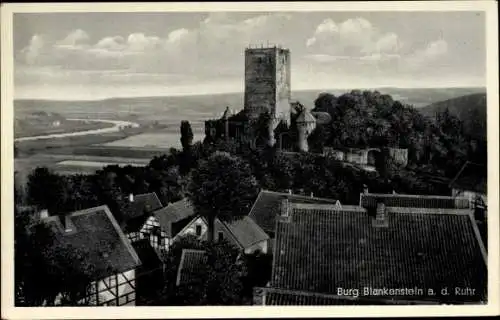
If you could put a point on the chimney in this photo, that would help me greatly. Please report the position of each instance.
(289, 191)
(365, 189)
(381, 216)
(312, 194)
(131, 197)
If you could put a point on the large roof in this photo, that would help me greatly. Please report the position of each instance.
(172, 214)
(96, 232)
(192, 262)
(369, 200)
(268, 205)
(471, 177)
(136, 212)
(320, 248)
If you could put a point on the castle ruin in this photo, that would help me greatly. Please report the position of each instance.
(268, 92)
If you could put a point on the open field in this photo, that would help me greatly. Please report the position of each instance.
(35, 129)
(66, 163)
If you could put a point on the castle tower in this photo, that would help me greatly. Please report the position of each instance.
(306, 123)
(267, 85)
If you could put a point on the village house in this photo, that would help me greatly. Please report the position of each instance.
(113, 259)
(164, 224)
(323, 253)
(242, 232)
(136, 211)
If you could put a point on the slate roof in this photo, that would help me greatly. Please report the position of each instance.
(321, 249)
(370, 200)
(135, 214)
(245, 231)
(174, 217)
(268, 205)
(96, 231)
(471, 177)
(192, 262)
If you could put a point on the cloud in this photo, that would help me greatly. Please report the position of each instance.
(216, 39)
(432, 53)
(353, 37)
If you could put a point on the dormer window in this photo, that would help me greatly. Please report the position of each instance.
(198, 230)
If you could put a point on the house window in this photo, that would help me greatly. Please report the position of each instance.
(198, 230)
(220, 236)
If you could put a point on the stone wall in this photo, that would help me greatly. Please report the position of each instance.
(267, 82)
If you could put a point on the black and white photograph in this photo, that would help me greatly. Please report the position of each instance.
(252, 157)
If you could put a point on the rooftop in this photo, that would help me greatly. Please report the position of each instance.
(96, 231)
(268, 205)
(136, 212)
(325, 248)
(369, 200)
(171, 216)
(245, 231)
(192, 261)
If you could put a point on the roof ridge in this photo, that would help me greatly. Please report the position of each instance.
(441, 211)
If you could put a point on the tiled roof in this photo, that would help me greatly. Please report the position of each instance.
(472, 177)
(175, 216)
(192, 262)
(245, 231)
(135, 214)
(96, 231)
(268, 205)
(370, 200)
(321, 250)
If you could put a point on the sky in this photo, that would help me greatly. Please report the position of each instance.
(87, 56)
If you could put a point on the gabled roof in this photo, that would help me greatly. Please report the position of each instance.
(96, 231)
(369, 200)
(322, 249)
(268, 205)
(192, 262)
(245, 231)
(135, 214)
(472, 176)
(172, 214)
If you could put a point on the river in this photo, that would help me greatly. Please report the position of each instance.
(118, 125)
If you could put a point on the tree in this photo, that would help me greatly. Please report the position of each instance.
(221, 187)
(218, 282)
(186, 135)
(47, 190)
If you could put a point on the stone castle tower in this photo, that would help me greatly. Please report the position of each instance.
(306, 123)
(267, 85)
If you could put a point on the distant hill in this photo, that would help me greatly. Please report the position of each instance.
(471, 109)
